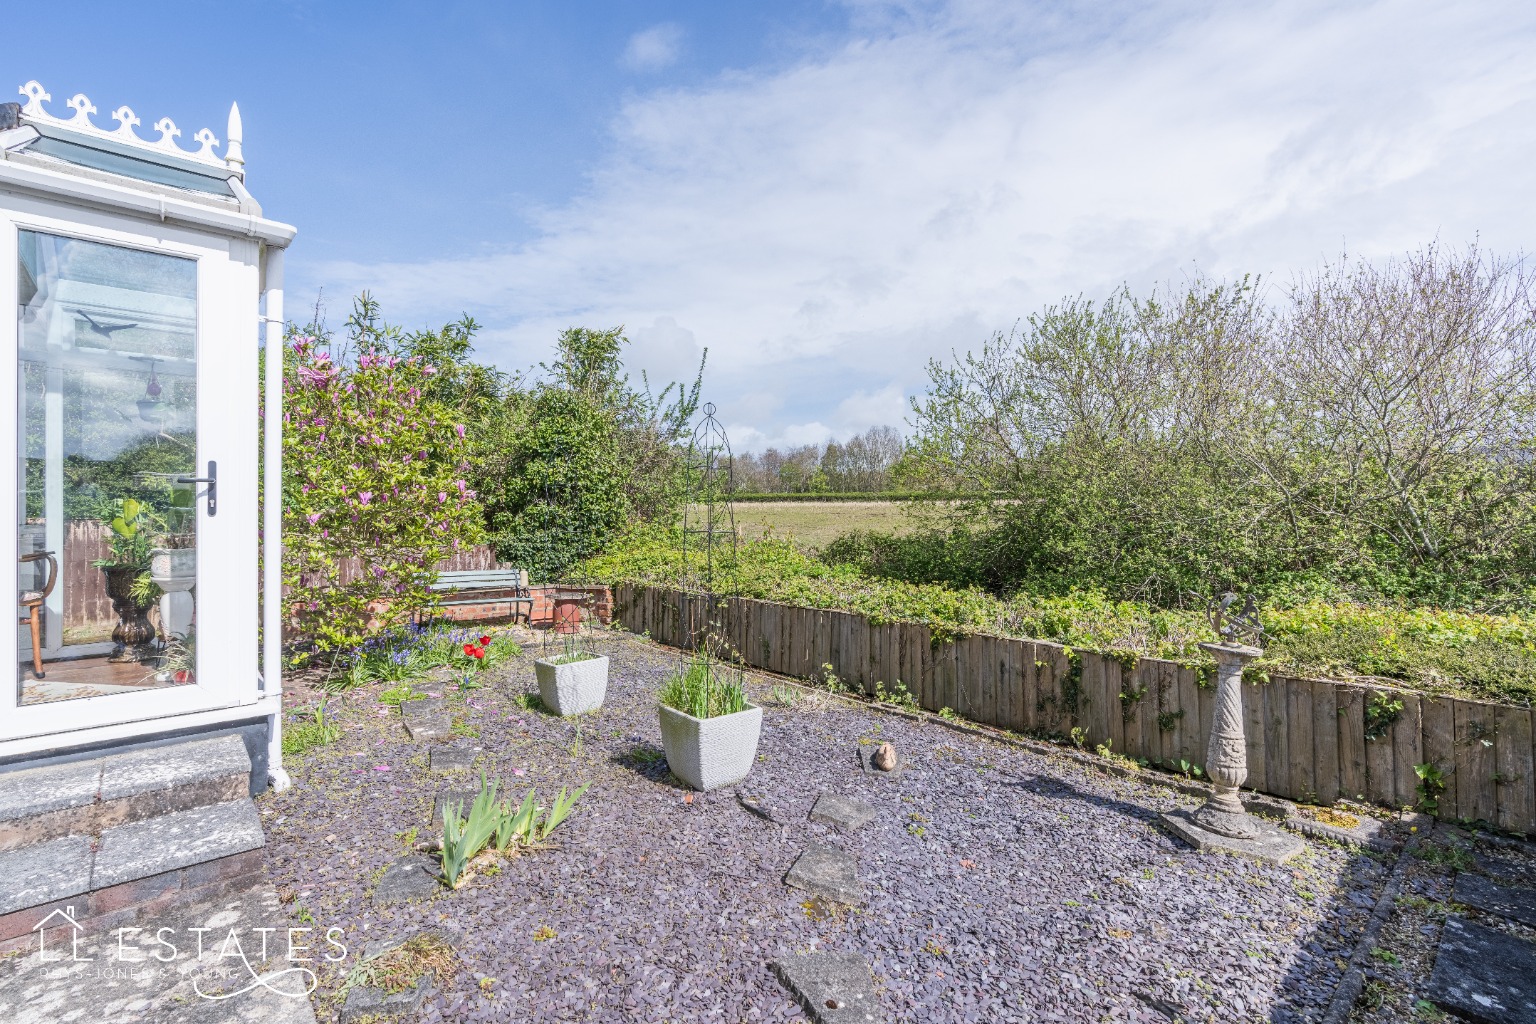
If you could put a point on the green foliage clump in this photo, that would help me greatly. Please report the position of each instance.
(705, 688)
(499, 826)
(1453, 652)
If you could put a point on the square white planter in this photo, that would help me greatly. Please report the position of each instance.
(708, 753)
(572, 687)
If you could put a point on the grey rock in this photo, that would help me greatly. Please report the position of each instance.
(867, 762)
(827, 872)
(1483, 974)
(843, 811)
(426, 718)
(34, 875)
(1509, 901)
(410, 878)
(447, 758)
(834, 988)
(156, 845)
(1270, 844)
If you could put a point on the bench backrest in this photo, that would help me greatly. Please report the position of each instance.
(475, 579)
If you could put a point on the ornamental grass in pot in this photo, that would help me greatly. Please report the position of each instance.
(574, 681)
(708, 729)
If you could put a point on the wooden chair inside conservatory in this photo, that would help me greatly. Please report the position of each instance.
(31, 602)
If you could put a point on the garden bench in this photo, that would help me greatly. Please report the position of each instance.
(481, 586)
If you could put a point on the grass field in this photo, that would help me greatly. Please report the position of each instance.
(817, 523)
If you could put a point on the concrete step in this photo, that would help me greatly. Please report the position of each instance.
(38, 805)
(51, 873)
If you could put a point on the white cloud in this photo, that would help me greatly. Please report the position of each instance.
(826, 228)
(654, 48)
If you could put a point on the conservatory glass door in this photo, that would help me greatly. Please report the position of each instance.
(107, 469)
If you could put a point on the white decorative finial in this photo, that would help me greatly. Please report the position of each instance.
(127, 121)
(83, 109)
(234, 156)
(35, 95)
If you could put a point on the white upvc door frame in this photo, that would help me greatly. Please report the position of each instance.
(228, 285)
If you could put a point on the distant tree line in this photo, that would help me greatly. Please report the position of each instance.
(1367, 433)
(864, 463)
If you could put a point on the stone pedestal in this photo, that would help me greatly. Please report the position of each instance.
(1222, 824)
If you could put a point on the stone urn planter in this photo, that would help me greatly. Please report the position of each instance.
(133, 635)
(708, 753)
(572, 685)
(174, 570)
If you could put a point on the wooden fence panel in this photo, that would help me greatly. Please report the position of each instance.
(1475, 760)
(1512, 753)
(1253, 731)
(1439, 721)
(1277, 746)
(1380, 769)
(1025, 659)
(1325, 740)
(1407, 750)
(1189, 732)
(1303, 757)
(982, 653)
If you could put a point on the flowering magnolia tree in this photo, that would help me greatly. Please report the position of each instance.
(375, 491)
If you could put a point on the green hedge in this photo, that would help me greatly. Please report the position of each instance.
(1490, 657)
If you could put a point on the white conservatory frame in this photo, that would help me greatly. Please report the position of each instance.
(239, 256)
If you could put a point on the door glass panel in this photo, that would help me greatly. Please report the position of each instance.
(107, 407)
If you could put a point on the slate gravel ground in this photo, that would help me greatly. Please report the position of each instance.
(1001, 885)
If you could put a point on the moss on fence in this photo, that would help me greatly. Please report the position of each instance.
(1489, 657)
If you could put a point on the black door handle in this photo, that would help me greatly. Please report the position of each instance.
(212, 480)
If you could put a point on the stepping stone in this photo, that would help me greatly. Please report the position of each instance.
(866, 759)
(1510, 872)
(452, 796)
(828, 872)
(834, 988)
(451, 759)
(1483, 974)
(426, 719)
(768, 810)
(1504, 900)
(414, 877)
(365, 1003)
(1367, 831)
(843, 811)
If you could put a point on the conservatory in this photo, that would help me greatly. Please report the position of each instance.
(142, 274)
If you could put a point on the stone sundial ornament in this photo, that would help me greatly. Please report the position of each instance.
(1222, 824)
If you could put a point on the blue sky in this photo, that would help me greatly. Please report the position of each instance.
(823, 194)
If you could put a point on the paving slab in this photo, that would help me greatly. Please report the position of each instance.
(827, 872)
(843, 811)
(834, 988)
(133, 978)
(1509, 901)
(410, 878)
(1368, 832)
(426, 718)
(42, 873)
(1270, 845)
(174, 765)
(1483, 974)
(1510, 872)
(366, 1003)
(866, 762)
(450, 758)
(449, 797)
(143, 848)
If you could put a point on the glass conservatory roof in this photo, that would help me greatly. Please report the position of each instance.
(130, 161)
